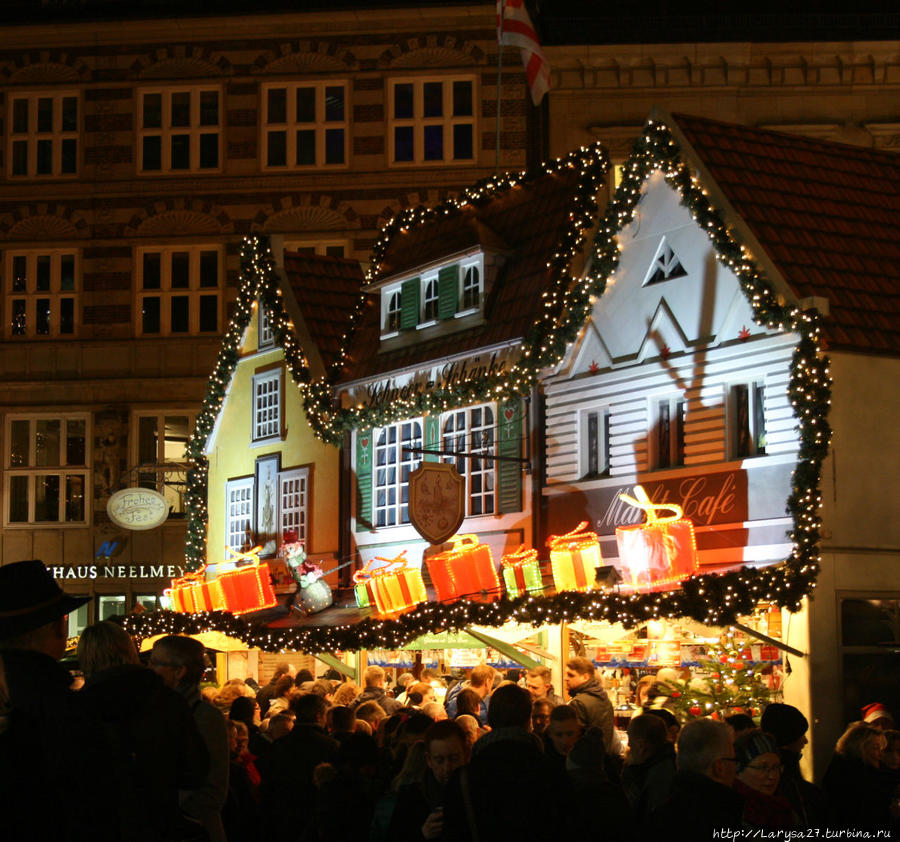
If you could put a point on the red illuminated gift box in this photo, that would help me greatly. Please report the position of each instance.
(246, 588)
(659, 552)
(396, 587)
(574, 559)
(466, 570)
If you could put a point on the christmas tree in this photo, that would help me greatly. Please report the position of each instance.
(726, 683)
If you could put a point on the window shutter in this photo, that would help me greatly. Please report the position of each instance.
(509, 474)
(432, 437)
(448, 291)
(364, 448)
(409, 303)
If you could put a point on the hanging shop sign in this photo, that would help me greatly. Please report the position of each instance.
(437, 503)
(137, 509)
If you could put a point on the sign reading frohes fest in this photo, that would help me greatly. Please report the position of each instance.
(447, 375)
(733, 511)
(137, 509)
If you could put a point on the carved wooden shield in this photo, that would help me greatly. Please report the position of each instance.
(437, 503)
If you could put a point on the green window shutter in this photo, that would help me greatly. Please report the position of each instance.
(409, 303)
(448, 291)
(509, 474)
(364, 449)
(432, 436)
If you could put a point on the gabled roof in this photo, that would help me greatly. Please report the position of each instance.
(826, 214)
(531, 219)
(326, 290)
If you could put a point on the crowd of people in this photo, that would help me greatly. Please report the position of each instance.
(143, 751)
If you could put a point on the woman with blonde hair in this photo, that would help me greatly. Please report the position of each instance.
(157, 749)
(345, 695)
(859, 795)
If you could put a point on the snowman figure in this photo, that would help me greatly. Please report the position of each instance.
(313, 593)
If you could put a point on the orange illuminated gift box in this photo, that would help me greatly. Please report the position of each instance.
(466, 570)
(574, 559)
(659, 552)
(246, 588)
(191, 593)
(396, 587)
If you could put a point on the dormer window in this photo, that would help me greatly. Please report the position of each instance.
(436, 296)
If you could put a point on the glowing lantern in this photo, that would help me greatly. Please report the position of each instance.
(574, 559)
(521, 572)
(396, 587)
(466, 570)
(659, 552)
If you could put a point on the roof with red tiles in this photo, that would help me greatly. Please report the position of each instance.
(826, 214)
(526, 223)
(326, 289)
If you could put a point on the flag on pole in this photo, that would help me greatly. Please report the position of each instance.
(514, 28)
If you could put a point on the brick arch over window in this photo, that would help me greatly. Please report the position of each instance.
(44, 222)
(432, 51)
(44, 66)
(182, 61)
(306, 57)
(180, 217)
(307, 212)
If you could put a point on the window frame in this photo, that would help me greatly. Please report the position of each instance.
(265, 375)
(265, 334)
(61, 470)
(465, 267)
(469, 475)
(177, 508)
(756, 388)
(32, 137)
(419, 122)
(166, 292)
(302, 527)
(291, 127)
(676, 447)
(242, 484)
(402, 465)
(166, 131)
(32, 295)
(603, 443)
(318, 246)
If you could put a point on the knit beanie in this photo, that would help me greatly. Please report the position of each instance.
(751, 745)
(784, 722)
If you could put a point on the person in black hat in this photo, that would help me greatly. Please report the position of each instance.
(51, 754)
(788, 726)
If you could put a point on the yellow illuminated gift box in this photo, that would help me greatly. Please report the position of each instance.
(396, 587)
(574, 559)
(659, 552)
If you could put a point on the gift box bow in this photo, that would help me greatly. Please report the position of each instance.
(642, 501)
(574, 539)
(368, 573)
(519, 558)
(242, 558)
(195, 577)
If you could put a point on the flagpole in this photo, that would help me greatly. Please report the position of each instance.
(501, 14)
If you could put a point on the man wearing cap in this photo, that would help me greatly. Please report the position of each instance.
(51, 754)
(789, 726)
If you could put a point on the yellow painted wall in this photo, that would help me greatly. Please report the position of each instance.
(232, 455)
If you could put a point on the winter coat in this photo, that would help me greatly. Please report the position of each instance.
(696, 806)
(859, 796)
(414, 803)
(647, 784)
(55, 778)
(156, 748)
(772, 812)
(450, 703)
(806, 799)
(595, 710)
(380, 695)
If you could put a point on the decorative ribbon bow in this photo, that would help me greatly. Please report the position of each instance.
(368, 573)
(190, 578)
(570, 539)
(650, 509)
(519, 558)
(250, 556)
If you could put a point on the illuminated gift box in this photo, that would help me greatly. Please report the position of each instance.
(191, 593)
(521, 572)
(466, 570)
(574, 559)
(245, 588)
(396, 587)
(661, 551)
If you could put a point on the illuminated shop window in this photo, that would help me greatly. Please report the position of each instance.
(268, 404)
(472, 431)
(393, 465)
(293, 502)
(238, 512)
